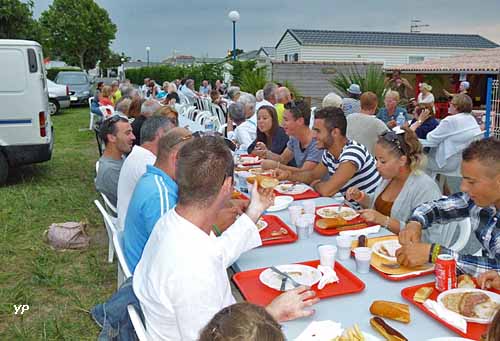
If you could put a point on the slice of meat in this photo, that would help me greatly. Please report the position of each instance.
(469, 301)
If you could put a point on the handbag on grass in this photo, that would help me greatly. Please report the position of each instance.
(67, 236)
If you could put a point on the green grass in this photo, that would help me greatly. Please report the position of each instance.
(59, 287)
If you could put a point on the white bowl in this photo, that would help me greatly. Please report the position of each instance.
(280, 203)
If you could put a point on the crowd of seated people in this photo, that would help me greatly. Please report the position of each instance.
(378, 165)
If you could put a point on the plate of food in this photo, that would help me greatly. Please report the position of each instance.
(387, 249)
(291, 189)
(475, 305)
(280, 203)
(260, 171)
(345, 213)
(248, 160)
(302, 274)
(261, 224)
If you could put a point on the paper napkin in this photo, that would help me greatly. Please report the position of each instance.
(356, 233)
(321, 331)
(329, 276)
(446, 315)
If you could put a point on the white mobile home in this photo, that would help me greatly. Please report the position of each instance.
(389, 48)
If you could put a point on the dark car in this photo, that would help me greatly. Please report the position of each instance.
(79, 85)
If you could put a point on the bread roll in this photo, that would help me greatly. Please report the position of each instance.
(465, 281)
(422, 294)
(391, 310)
(385, 330)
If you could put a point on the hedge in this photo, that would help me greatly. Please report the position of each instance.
(161, 73)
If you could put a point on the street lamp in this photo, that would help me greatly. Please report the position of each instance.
(147, 53)
(122, 70)
(234, 16)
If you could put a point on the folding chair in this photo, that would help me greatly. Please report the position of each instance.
(140, 330)
(110, 228)
(123, 271)
(464, 232)
(91, 121)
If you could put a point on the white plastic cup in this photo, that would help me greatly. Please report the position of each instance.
(302, 227)
(295, 211)
(363, 256)
(309, 207)
(310, 219)
(344, 247)
(327, 255)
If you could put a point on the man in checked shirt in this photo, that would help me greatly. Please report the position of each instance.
(479, 200)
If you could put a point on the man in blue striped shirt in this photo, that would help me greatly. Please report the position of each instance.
(347, 162)
(479, 200)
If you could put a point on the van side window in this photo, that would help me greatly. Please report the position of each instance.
(32, 61)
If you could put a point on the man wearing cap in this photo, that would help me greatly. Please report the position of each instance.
(463, 89)
(351, 104)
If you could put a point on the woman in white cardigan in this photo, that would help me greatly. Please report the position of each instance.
(399, 159)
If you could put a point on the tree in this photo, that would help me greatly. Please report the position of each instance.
(79, 32)
(113, 59)
(16, 20)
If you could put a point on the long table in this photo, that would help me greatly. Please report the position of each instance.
(348, 309)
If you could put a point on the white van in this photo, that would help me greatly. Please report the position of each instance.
(26, 133)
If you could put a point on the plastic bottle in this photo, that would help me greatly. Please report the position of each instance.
(401, 119)
(209, 124)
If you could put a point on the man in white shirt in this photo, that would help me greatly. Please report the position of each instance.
(181, 280)
(242, 113)
(188, 91)
(145, 88)
(135, 164)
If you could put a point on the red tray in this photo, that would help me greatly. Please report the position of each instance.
(474, 330)
(389, 276)
(274, 224)
(239, 195)
(309, 194)
(251, 163)
(256, 292)
(332, 232)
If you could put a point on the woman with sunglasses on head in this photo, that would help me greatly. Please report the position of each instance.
(271, 137)
(405, 186)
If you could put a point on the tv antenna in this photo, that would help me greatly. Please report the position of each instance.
(415, 24)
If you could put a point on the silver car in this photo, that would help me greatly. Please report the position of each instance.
(79, 85)
(58, 97)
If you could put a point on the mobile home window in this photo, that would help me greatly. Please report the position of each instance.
(286, 58)
(295, 57)
(415, 59)
(32, 62)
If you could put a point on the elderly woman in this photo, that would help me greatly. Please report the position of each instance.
(246, 129)
(424, 120)
(389, 113)
(453, 134)
(332, 100)
(425, 95)
(405, 185)
(270, 135)
(233, 94)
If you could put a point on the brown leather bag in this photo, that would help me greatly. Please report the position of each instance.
(67, 236)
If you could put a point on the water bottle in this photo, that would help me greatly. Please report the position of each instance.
(401, 119)
(209, 124)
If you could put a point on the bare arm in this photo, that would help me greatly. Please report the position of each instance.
(338, 180)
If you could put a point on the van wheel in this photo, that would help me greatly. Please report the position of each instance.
(53, 106)
(4, 169)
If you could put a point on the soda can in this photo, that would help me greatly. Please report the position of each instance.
(446, 272)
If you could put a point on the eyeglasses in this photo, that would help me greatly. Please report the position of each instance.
(115, 118)
(392, 137)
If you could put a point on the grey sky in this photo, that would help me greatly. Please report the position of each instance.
(202, 28)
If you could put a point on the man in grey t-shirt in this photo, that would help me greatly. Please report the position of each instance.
(301, 146)
(364, 127)
(116, 132)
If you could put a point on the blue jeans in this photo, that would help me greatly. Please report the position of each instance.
(112, 316)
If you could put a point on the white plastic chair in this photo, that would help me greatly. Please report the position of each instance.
(464, 233)
(311, 122)
(107, 111)
(123, 271)
(110, 228)
(202, 116)
(140, 330)
(91, 121)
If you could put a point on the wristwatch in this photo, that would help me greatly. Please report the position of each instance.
(419, 121)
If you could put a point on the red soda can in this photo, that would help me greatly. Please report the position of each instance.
(446, 273)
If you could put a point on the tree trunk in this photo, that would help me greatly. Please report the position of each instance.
(81, 60)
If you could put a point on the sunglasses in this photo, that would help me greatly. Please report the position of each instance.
(115, 118)
(293, 104)
(393, 138)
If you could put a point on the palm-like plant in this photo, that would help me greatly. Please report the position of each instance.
(371, 80)
(253, 80)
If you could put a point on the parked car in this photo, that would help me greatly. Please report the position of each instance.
(79, 85)
(26, 133)
(58, 97)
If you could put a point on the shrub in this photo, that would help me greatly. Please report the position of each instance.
(252, 81)
(161, 73)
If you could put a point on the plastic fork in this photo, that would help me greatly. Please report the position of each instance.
(283, 283)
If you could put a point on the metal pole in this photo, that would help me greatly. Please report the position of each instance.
(147, 54)
(489, 88)
(234, 40)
